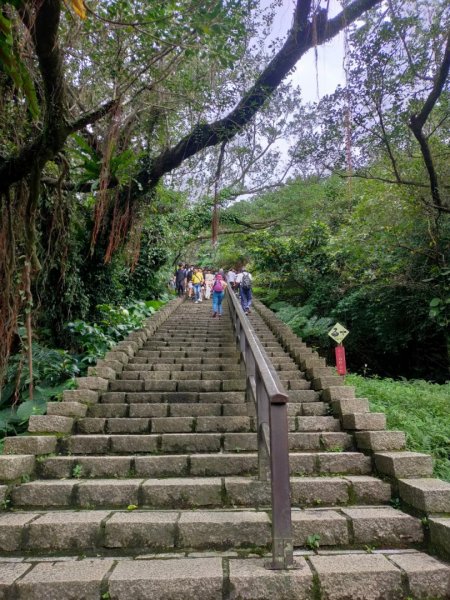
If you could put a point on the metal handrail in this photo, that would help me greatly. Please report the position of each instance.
(267, 391)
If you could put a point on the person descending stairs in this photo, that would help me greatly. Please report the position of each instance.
(148, 489)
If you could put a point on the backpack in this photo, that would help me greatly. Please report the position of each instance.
(218, 286)
(246, 281)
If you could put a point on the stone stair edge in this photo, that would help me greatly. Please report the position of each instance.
(421, 497)
(396, 575)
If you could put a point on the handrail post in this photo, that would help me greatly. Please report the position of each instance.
(263, 424)
(282, 544)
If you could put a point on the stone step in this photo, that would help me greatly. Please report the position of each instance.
(192, 385)
(102, 531)
(231, 461)
(194, 492)
(178, 375)
(179, 397)
(164, 367)
(160, 423)
(163, 424)
(204, 576)
(165, 409)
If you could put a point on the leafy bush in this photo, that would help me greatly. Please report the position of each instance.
(419, 408)
(304, 323)
(51, 367)
(115, 322)
(54, 370)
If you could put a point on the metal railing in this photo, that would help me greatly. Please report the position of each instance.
(266, 390)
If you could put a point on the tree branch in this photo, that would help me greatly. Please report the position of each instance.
(298, 42)
(417, 122)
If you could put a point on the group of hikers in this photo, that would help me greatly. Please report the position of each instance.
(201, 284)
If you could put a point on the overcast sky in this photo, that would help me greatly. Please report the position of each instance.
(330, 56)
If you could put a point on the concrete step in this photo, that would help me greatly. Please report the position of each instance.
(165, 409)
(103, 531)
(233, 461)
(204, 576)
(194, 492)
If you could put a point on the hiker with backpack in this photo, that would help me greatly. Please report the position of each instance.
(244, 280)
(218, 289)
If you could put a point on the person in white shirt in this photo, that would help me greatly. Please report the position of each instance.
(244, 281)
(231, 278)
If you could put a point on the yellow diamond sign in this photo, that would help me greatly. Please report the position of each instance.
(338, 333)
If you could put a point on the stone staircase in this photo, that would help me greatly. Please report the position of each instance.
(142, 484)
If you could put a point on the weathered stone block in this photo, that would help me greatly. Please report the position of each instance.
(245, 491)
(92, 383)
(182, 493)
(320, 491)
(380, 440)
(427, 577)
(128, 425)
(67, 409)
(235, 442)
(116, 365)
(71, 580)
(13, 467)
(353, 463)
(161, 466)
(185, 442)
(350, 405)
(364, 421)
(172, 425)
(12, 530)
(440, 535)
(9, 572)
(65, 530)
(85, 396)
(368, 490)
(91, 425)
(43, 494)
(402, 465)
(220, 530)
(155, 530)
(30, 444)
(368, 576)
(121, 357)
(87, 444)
(428, 495)
(328, 524)
(104, 466)
(324, 382)
(384, 526)
(331, 393)
(126, 444)
(109, 493)
(50, 424)
(167, 579)
(104, 372)
(223, 464)
(251, 580)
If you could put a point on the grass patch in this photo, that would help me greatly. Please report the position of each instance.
(419, 408)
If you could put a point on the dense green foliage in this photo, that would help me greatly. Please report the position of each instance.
(420, 409)
(54, 369)
(358, 254)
